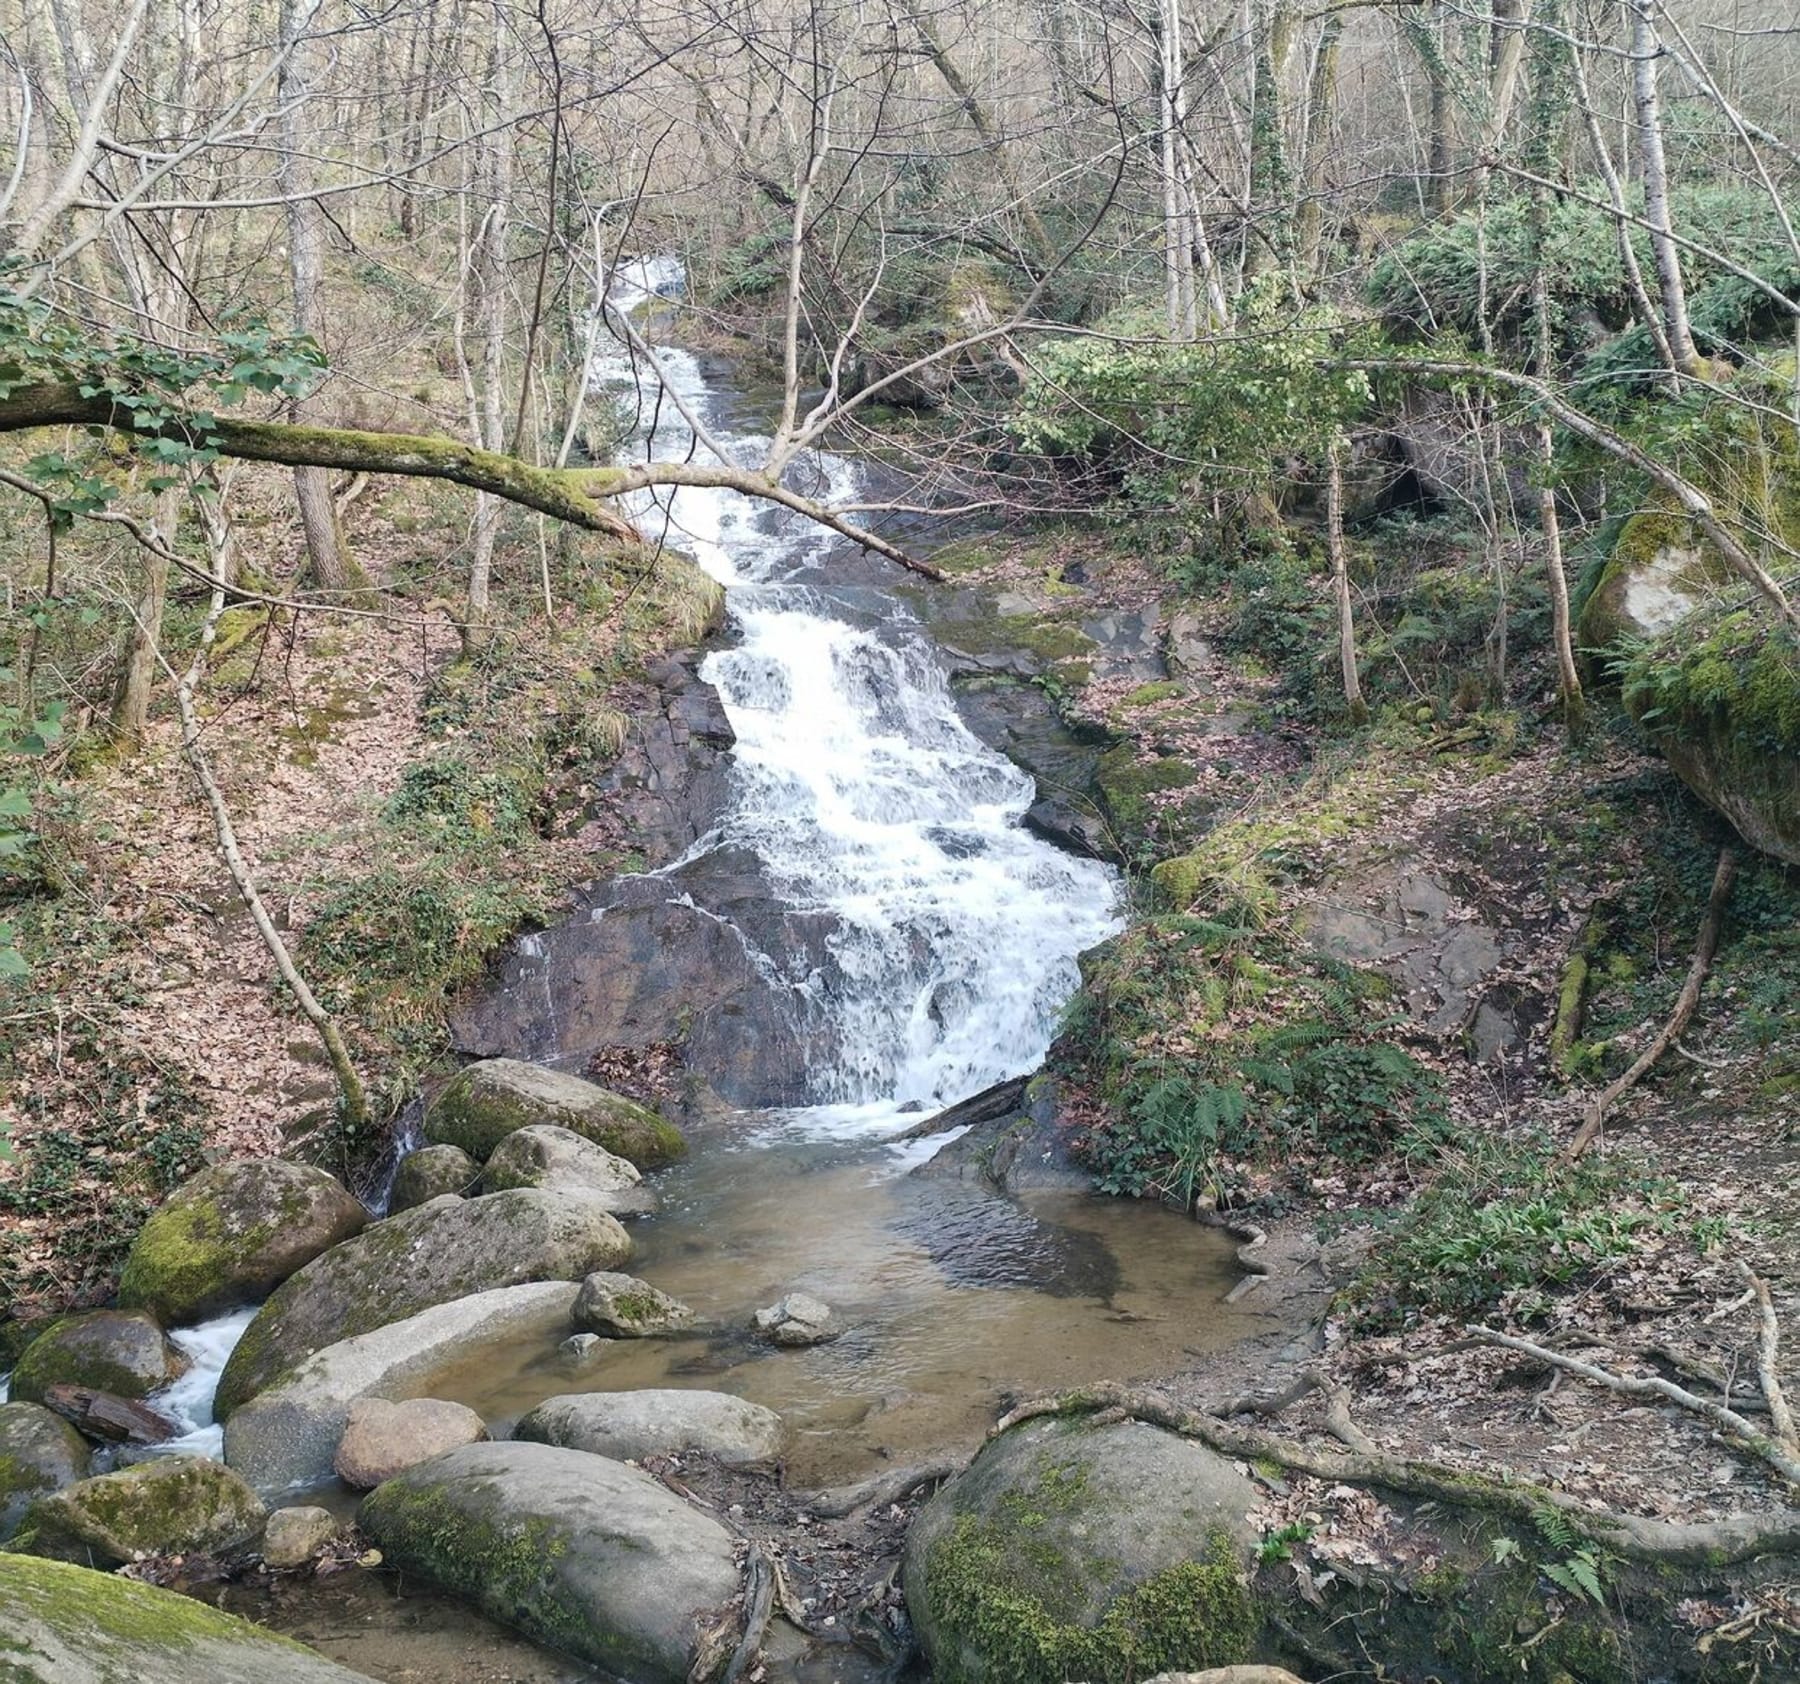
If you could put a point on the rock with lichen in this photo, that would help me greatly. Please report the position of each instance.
(546, 1155)
(578, 1552)
(63, 1624)
(121, 1352)
(231, 1235)
(493, 1099)
(1071, 1550)
(38, 1454)
(623, 1307)
(442, 1251)
(430, 1173)
(170, 1505)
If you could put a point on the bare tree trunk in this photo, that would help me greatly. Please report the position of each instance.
(1321, 108)
(1357, 708)
(488, 268)
(137, 664)
(333, 568)
(1646, 50)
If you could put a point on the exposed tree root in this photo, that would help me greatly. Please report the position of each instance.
(1778, 1450)
(841, 1501)
(1685, 1002)
(1717, 1543)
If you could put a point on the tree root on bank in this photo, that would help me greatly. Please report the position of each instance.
(842, 1501)
(1685, 1002)
(1337, 1408)
(1779, 1447)
(1718, 1543)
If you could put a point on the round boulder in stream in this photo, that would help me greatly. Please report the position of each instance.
(444, 1250)
(122, 1352)
(1076, 1551)
(430, 1173)
(490, 1100)
(231, 1235)
(576, 1551)
(629, 1426)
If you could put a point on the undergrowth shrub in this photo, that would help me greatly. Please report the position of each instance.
(1218, 1047)
(1504, 1225)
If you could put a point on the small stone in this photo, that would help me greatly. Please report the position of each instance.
(294, 1536)
(797, 1319)
(581, 1350)
(382, 1439)
(624, 1307)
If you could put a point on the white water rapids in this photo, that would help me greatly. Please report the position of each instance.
(956, 931)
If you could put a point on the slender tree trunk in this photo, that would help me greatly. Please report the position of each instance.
(1646, 52)
(1321, 110)
(333, 568)
(1354, 704)
(138, 660)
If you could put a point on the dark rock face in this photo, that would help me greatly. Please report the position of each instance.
(672, 779)
(654, 960)
(1015, 1141)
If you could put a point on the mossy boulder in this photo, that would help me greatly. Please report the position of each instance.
(119, 1351)
(1715, 683)
(169, 1505)
(623, 1307)
(430, 1173)
(62, 1624)
(232, 1235)
(442, 1251)
(576, 1551)
(545, 1155)
(1127, 780)
(490, 1100)
(1067, 1550)
(39, 1453)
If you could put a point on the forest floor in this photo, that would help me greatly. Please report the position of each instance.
(402, 809)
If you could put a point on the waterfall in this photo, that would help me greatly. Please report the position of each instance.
(955, 930)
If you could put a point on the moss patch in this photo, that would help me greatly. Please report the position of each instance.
(1004, 1631)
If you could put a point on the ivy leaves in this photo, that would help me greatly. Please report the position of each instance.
(162, 396)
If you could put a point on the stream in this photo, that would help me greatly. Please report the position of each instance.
(946, 945)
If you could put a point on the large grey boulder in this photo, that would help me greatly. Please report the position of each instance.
(39, 1453)
(430, 1173)
(546, 1155)
(490, 1100)
(122, 1352)
(629, 1426)
(1076, 1551)
(61, 1624)
(444, 1250)
(232, 1234)
(287, 1436)
(576, 1551)
(170, 1505)
(382, 1438)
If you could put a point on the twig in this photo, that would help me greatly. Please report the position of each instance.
(759, 1605)
(1685, 1003)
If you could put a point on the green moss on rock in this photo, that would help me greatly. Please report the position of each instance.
(1193, 1615)
(490, 1100)
(171, 1505)
(117, 1351)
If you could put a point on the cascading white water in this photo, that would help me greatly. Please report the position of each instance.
(862, 792)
